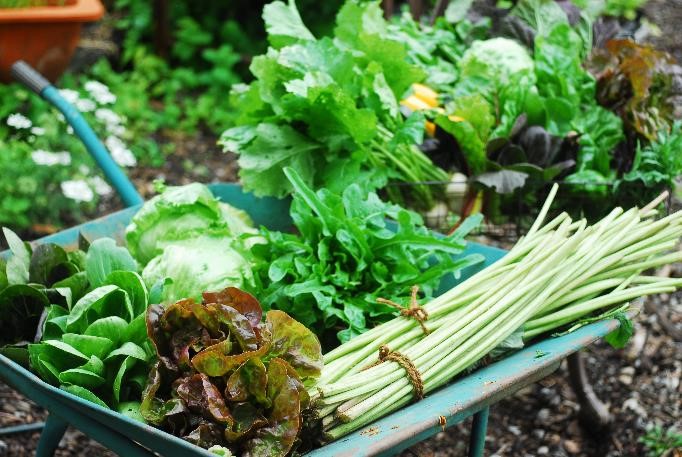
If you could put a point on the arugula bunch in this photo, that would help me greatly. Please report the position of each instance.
(224, 378)
(655, 165)
(352, 248)
(329, 108)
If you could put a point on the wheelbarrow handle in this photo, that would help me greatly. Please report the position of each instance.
(28, 76)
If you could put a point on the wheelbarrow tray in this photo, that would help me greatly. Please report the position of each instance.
(445, 407)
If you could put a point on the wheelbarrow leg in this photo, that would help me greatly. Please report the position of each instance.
(479, 426)
(594, 414)
(52, 434)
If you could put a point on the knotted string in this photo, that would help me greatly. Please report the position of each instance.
(412, 373)
(414, 310)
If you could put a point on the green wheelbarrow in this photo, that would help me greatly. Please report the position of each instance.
(468, 396)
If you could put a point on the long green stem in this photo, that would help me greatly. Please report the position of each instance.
(558, 273)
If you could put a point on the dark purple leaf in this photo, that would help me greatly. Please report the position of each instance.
(242, 301)
(207, 434)
(284, 421)
(202, 397)
(247, 418)
(156, 411)
(294, 343)
(249, 381)
(157, 336)
(238, 324)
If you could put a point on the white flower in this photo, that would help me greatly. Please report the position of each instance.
(119, 152)
(85, 105)
(19, 121)
(47, 158)
(69, 95)
(111, 120)
(77, 190)
(107, 116)
(100, 92)
(116, 130)
(69, 130)
(38, 131)
(84, 169)
(101, 186)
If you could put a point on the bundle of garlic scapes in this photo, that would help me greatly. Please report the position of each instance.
(555, 275)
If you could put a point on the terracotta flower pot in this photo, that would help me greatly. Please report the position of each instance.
(44, 36)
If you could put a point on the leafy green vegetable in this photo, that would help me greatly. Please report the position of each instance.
(618, 8)
(31, 281)
(204, 262)
(180, 213)
(471, 127)
(226, 379)
(20, 307)
(352, 249)
(437, 48)
(328, 108)
(18, 265)
(496, 60)
(654, 168)
(88, 342)
(619, 337)
(639, 83)
(284, 24)
(103, 257)
(190, 242)
(86, 350)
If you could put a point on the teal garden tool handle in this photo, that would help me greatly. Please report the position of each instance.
(27, 75)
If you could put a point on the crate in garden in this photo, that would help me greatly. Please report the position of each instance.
(509, 216)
